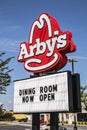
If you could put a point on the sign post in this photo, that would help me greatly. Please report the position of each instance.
(54, 121)
(36, 121)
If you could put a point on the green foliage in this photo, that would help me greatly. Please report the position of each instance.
(65, 122)
(5, 78)
(81, 123)
(7, 117)
(83, 91)
(73, 122)
(1, 109)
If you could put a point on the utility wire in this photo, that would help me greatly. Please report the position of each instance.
(80, 57)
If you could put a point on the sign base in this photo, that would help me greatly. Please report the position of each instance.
(36, 121)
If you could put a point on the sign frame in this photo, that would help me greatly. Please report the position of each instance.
(70, 95)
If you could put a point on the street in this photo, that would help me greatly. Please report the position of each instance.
(13, 127)
(24, 127)
(78, 127)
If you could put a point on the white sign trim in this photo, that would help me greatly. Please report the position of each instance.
(42, 94)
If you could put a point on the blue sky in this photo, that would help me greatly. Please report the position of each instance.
(16, 18)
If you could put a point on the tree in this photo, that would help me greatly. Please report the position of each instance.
(5, 78)
(84, 97)
(1, 109)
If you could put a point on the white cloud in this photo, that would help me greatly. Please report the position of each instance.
(1, 103)
(9, 101)
(8, 28)
(9, 37)
(7, 44)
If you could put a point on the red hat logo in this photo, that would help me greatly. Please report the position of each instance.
(47, 46)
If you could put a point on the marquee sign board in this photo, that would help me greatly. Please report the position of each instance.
(47, 46)
(44, 94)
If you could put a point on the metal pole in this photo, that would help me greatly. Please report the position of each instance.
(36, 121)
(62, 122)
(72, 66)
(54, 121)
(75, 127)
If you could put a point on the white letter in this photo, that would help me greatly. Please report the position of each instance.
(51, 46)
(61, 41)
(23, 52)
(41, 47)
(40, 24)
(32, 50)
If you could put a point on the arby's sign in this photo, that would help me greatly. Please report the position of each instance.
(47, 46)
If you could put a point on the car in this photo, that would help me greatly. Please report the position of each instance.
(47, 127)
(42, 122)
